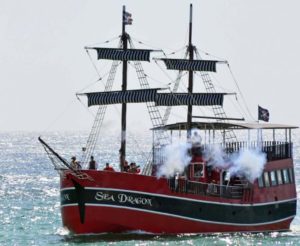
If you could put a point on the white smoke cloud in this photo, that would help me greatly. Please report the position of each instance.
(248, 163)
(176, 159)
(177, 155)
(216, 157)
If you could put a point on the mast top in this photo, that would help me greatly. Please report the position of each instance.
(191, 13)
(123, 20)
(190, 30)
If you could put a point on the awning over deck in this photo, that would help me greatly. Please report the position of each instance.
(223, 125)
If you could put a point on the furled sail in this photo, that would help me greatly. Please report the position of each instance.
(151, 95)
(200, 99)
(123, 55)
(193, 65)
(115, 97)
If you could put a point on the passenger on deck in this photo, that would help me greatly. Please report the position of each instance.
(133, 168)
(108, 168)
(126, 166)
(92, 164)
(75, 164)
(197, 147)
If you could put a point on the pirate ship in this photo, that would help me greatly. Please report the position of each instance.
(203, 196)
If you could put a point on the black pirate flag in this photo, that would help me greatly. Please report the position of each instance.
(263, 114)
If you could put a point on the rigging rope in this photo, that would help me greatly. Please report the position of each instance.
(136, 148)
(208, 54)
(182, 86)
(235, 81)
(239, 109)
(94, 65)
(85, 106)
(155, 47)
(176, 51)
(60, 115)
(167, 75)
(94, 134)
(100, 79)
(143, 42)
(174, 81)
(104, 42)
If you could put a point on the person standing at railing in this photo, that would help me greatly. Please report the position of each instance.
(108, 168)
(75, 165)
(92, 164)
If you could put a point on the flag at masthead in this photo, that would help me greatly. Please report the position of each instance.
(127, 19)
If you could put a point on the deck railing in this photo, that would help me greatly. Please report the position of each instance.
(198, 188)
(274, 150)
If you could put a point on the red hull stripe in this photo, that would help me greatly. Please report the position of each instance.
(181, 217)
(184, 198)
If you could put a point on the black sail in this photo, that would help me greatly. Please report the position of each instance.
(123, 55)
(116, 97)
(198, 99)
(151, 95)
(191, 65)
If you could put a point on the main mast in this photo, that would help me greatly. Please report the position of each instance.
(190, 87)
(124, 39)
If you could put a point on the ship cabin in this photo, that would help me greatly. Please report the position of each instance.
(272, 141)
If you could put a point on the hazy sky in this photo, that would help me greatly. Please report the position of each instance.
(43, 63)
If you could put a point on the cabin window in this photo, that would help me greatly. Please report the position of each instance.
(279, 176)
(291, 175)
(277, 150)
(273, 178)
(266, 179)
(198, 171)
(286, 176)
(260, 182)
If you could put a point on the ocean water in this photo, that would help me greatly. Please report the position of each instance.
(29, 195)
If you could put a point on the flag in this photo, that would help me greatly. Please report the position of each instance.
(127, 18)
(263, 114)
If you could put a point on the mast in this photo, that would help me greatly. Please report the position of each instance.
(190, 87)
(124, 39)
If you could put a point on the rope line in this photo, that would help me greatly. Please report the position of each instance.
(235, 81)
(104, 42)
(59, 116)
(94, 65)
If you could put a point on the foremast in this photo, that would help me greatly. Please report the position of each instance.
(124, 39)
(124, 53)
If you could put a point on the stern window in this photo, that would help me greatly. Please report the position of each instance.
(286, 176)
(279, 176)
(266, 179)
(273, 178)
(260, 182)
(291, 175)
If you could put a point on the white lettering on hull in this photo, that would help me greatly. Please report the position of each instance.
(123, 198)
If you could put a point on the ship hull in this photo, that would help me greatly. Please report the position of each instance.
(109, 219)
(121, 202)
